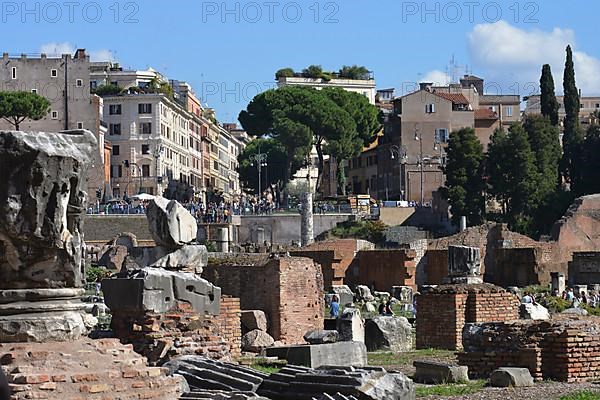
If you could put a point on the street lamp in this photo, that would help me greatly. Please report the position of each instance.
(260, 160)
(419, 137)
(399, 153)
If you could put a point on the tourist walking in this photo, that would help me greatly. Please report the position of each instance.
(334, 307)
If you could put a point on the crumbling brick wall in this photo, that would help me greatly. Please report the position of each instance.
(383, 269)
(84, 369)
(160, 337)
(442, 312)
(563, 350)
(289, 290)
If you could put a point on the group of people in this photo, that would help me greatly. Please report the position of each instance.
(119, 207)
(592, 298)
(385, 308)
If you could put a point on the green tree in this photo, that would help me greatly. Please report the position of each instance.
(107, 90)
(514, 177)
(284, 73)
(16, 107)
(590, 159)
(276, 162)
(464, 188)
(313, 71)
(354, 72)
(350, 143)
(548, 100)
(572, 136)
(544, 140)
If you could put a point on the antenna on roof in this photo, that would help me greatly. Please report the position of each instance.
(453, 69)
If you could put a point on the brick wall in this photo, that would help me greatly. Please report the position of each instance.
(445, 330)
(436, 266)
(443, 312)
(289, 290)
(384, 269)
(160, 337)
(564, 350)
(84, 369)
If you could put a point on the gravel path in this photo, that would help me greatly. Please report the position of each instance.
(541, 391)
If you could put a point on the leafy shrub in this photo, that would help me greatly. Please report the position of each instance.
(582, 395)
(555, 304)
(373, 231)
(284, 73)
(107, 90)
(94, 273)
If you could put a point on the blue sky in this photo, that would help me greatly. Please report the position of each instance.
(230, 50)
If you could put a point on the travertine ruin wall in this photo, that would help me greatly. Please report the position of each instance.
(566, 350)
(443, 312)
(160, 337)
(288, 289)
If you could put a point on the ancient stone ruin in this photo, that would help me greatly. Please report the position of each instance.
(41, 259)
(42, 320)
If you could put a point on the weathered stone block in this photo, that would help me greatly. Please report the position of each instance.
(389, 333)
(439, 373)
(350, 326)
(464, 261)
(315, 356)
(343, 293)
(158, 290)
(171, 225)
(317, 336)
(254, 319)
(255, 341)
(533, 311)
(43, 198)
(511, 377)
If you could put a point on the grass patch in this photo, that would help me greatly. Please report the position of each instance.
(451, 389)
(266, 368)
(582, 395)
(383, 359)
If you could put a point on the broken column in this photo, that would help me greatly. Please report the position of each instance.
(464, 265)
(43, 199)
(306, 219)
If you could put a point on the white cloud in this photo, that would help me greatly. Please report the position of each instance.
(513, 57)
(55, 49)
(437, 77)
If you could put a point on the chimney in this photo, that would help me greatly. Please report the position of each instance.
(80, 54)
(425, 86)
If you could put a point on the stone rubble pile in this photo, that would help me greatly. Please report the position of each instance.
(291, 382)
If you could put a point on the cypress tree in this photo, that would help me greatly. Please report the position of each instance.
(464, 177)
(572, 137)
(548, 98)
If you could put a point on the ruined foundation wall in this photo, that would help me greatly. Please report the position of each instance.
(289, 290)
(443, 312)
(160, 337)
(567, 351)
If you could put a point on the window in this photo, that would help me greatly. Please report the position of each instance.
(215, 165)
(430, 108)
(597, 105)
(144, 108)
(116, 171)
(114, 129)
(441, 135)
(93, 85)
(80, 125)
(145, 128)
(79, 83)
(53, 73)
(145, 170)
(493, 108)
(54, 115)
(14, 72)
(114, 109)
(145, 149)
(116, 150)
(34, 91)
(509, 111)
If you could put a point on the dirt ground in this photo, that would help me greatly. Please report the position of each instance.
(547, 390)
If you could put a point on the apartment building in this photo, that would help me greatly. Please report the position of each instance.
(163, 135)
(589, 105)
(64, 81)
(365, 87)
(412, 152)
